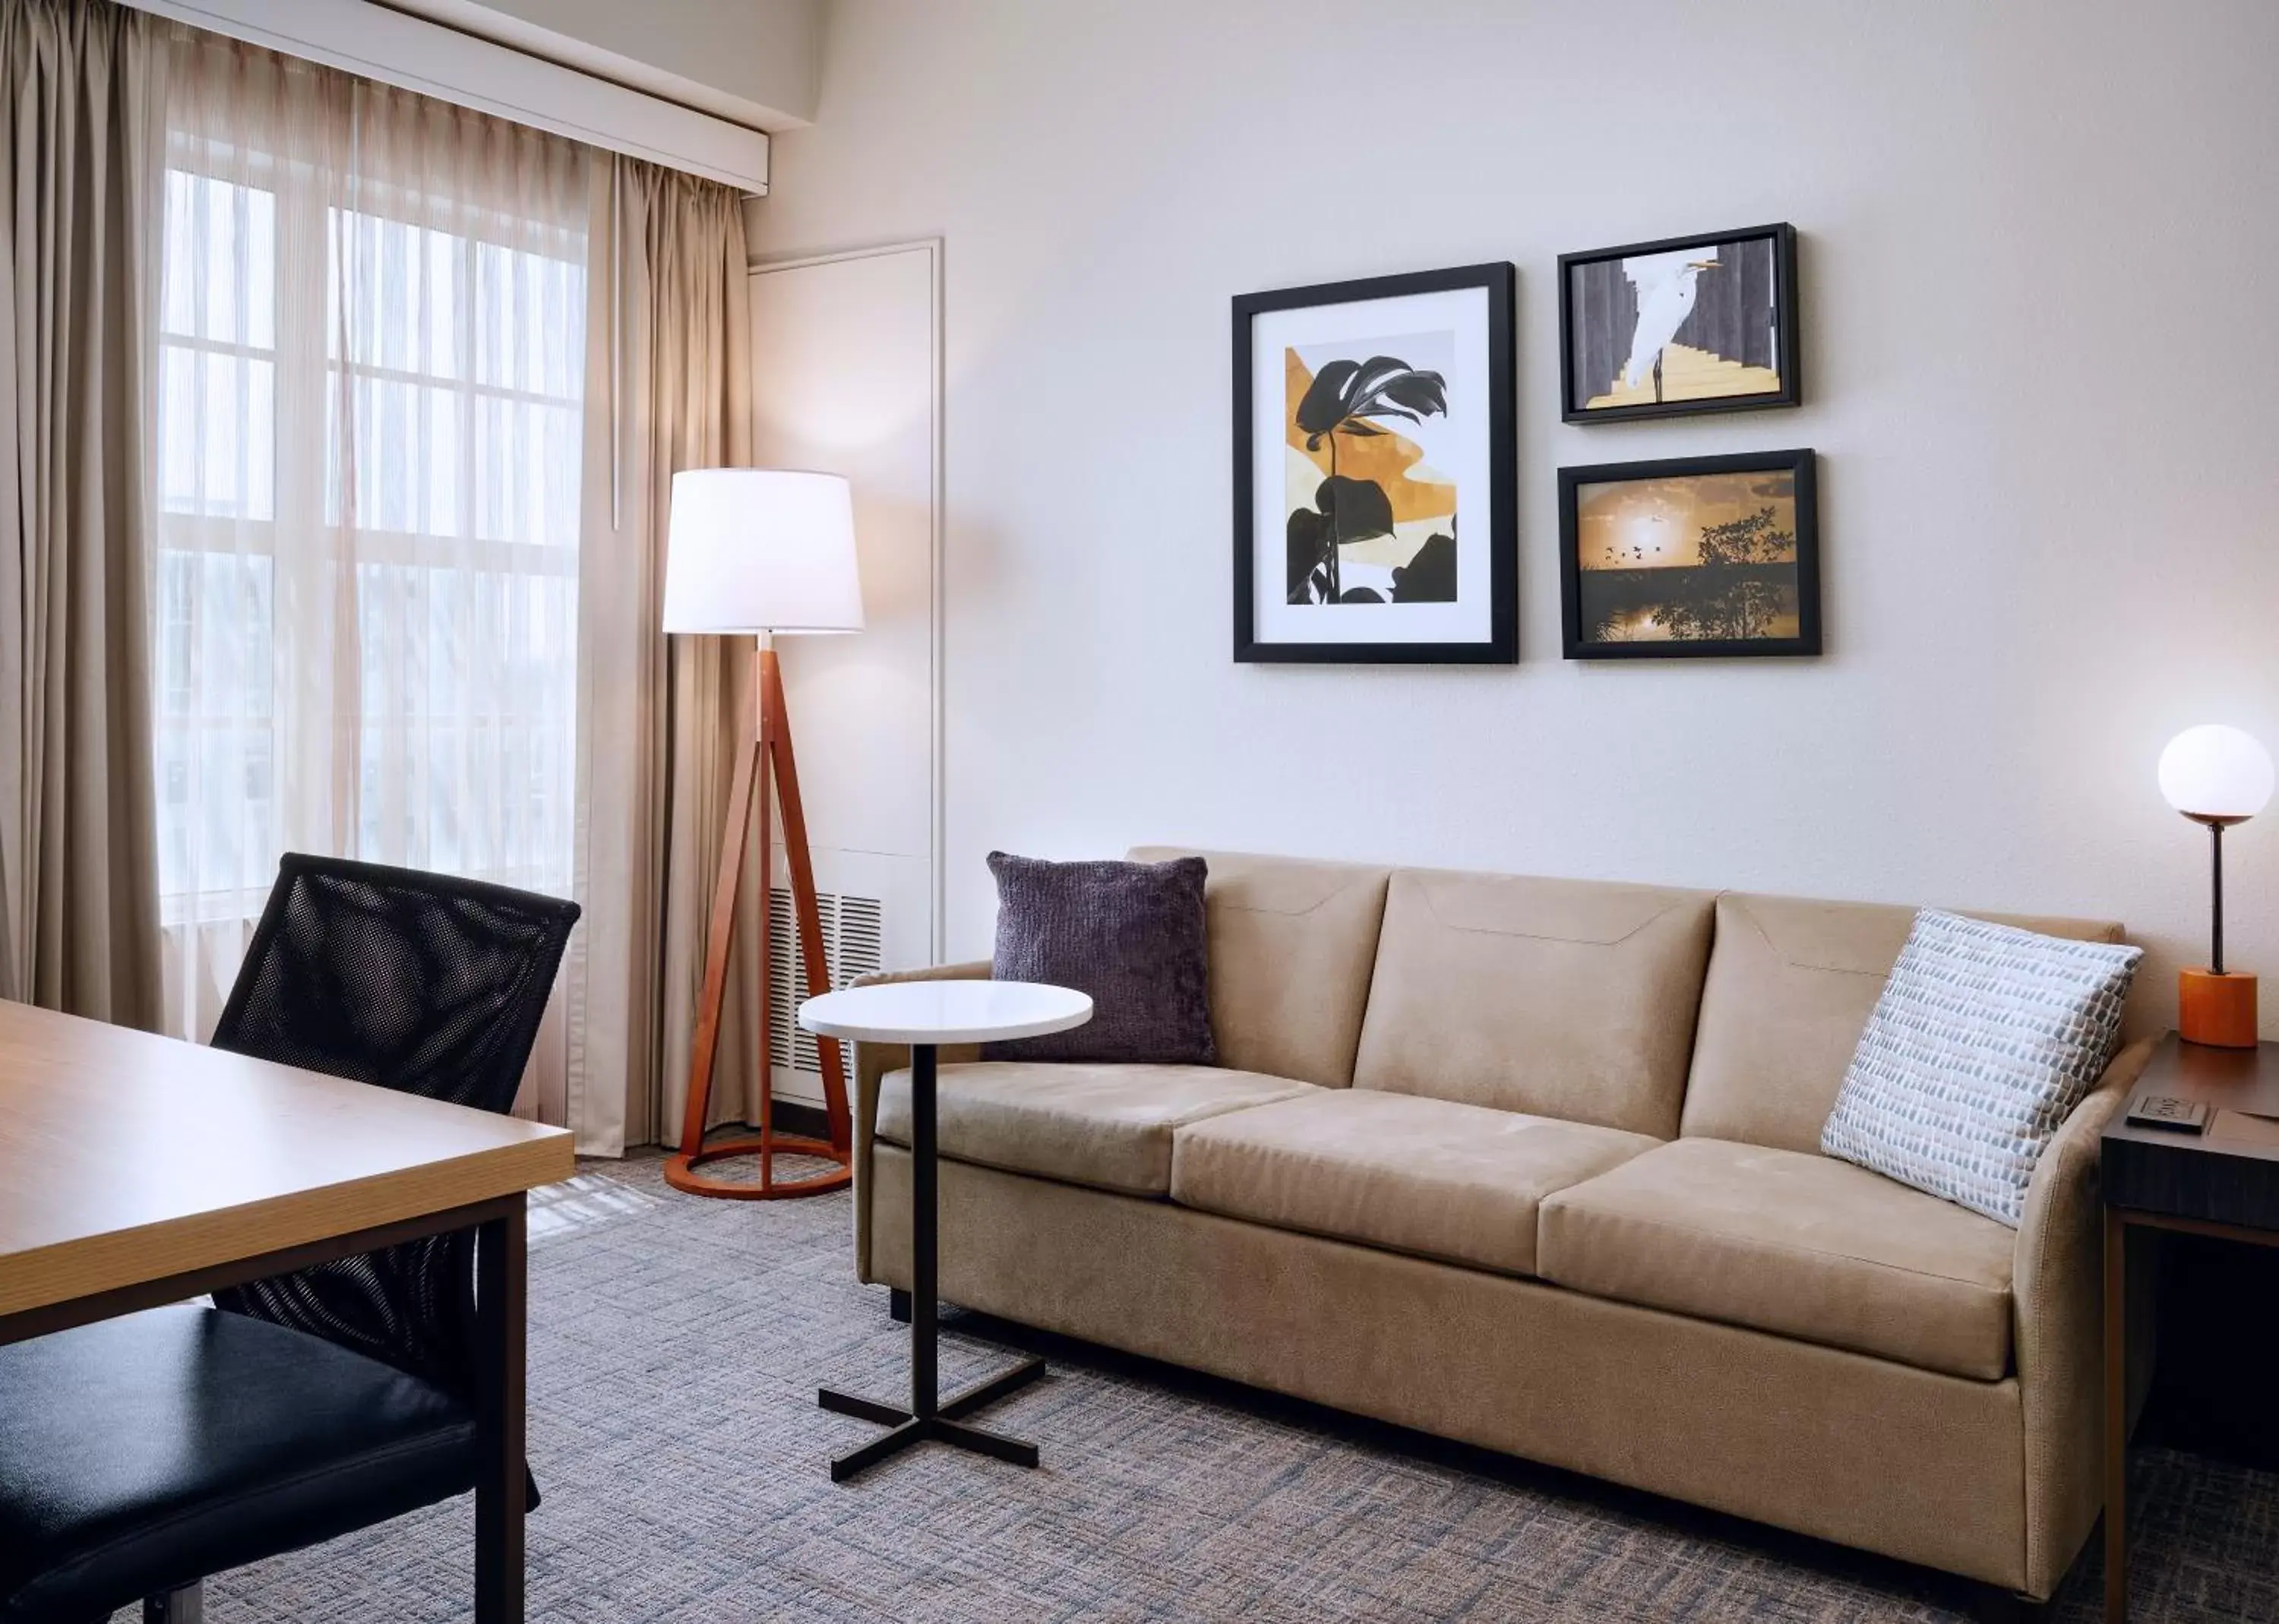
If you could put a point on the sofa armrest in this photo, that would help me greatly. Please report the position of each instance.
(872, 1062)
(2057, 1285)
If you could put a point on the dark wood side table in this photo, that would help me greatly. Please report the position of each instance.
(2223, 1181)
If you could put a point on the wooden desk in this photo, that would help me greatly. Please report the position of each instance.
(2224, 1182)
(138, 1170)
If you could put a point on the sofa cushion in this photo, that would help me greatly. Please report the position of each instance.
(1410, 1173)
(1791, 985)
(1570, 998)
(1107, 1126)
(1793, 1243)
(1291, 946)
(1985, 1040)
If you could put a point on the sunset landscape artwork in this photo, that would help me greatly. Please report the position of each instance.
(1711, 555)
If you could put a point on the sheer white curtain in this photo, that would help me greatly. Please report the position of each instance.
(372, 354)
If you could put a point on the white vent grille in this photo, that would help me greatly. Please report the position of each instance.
(851, 931)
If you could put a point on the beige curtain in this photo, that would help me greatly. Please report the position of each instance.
(79, 187)
(669, 386)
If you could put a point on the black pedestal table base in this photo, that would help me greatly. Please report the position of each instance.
(929, 1417)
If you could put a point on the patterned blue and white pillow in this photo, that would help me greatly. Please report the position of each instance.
(1985, 1040)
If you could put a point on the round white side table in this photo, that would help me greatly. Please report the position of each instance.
(926, 1014)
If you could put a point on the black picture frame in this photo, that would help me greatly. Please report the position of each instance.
(1801, 464)
(1499, 280)
(1783, 330)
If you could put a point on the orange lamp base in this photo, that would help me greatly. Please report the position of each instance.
(2216, 1010)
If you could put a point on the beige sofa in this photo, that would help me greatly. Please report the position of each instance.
(1534, 1164)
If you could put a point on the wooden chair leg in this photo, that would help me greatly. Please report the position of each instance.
(186, 1605)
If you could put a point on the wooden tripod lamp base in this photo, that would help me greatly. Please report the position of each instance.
(680, 1169)
(753, 550)
(766, 755)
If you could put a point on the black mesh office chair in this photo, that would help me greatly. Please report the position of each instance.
(140, 1454)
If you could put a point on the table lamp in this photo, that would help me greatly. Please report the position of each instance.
(2216, 776)
(753, 552)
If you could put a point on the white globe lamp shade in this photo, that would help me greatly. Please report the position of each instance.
(761, 549)
(2216, 773)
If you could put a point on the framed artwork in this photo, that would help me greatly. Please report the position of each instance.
(1686, 325)
(1376, 472)
(1695, 556)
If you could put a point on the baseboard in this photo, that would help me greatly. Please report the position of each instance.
(797, 1116)
(791, 1116)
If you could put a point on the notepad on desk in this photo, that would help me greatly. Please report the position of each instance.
(2245, 1127)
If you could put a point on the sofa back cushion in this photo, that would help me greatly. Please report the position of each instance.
(1290, 944)
(1791, 983)
(1571, 998)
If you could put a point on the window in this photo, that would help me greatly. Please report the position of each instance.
(449, 428)
(216, 483)
(370, 435)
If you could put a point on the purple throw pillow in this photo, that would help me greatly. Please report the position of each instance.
(1131, 935)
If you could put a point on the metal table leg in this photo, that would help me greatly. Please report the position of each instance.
(501, 1482)
(929, 1416)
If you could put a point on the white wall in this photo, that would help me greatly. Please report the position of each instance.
(2042, 371)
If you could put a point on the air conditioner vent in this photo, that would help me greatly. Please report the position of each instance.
(852, 933)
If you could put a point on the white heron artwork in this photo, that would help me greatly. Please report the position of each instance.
(1680, 325)
(1665, 290)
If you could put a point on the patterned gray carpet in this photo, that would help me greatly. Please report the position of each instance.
(675, 1349)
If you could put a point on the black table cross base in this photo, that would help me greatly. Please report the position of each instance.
(929, 1416)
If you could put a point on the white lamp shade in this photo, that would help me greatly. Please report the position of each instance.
(761, 549)
(2215, 771)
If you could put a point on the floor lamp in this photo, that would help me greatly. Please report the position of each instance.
(755, 552)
